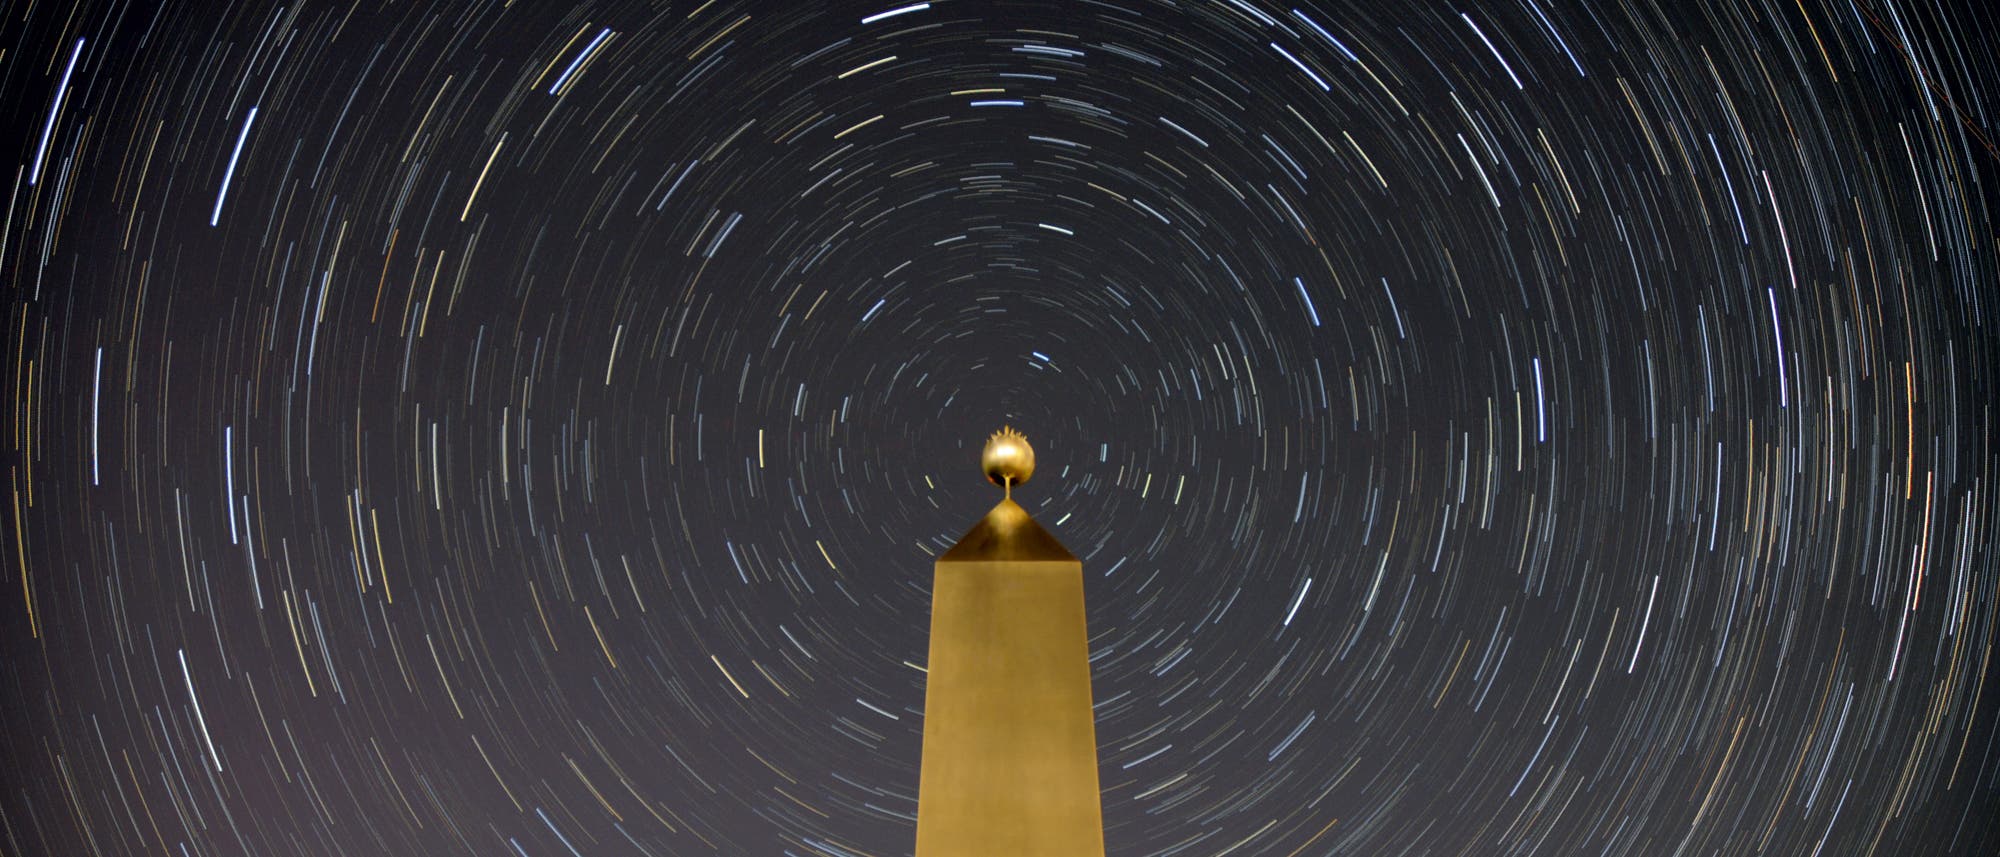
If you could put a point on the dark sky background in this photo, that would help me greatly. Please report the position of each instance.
(1518, 427)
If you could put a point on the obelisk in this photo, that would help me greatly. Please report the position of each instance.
(1010, 749)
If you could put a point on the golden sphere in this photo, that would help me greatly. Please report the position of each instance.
(1008, 458)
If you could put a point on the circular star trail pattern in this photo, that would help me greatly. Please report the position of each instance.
(1509, 428)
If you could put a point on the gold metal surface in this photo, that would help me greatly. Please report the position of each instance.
(1006, 533)
(1008, 459)
(1010, 746)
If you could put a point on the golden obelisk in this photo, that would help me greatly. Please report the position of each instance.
(1010, 749)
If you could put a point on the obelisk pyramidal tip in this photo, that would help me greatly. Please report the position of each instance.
(1010, 748)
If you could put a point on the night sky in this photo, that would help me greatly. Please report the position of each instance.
(1516, 427)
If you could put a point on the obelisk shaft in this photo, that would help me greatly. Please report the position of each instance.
(1010, 749)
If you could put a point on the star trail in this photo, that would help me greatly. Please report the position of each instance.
(521, 428)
